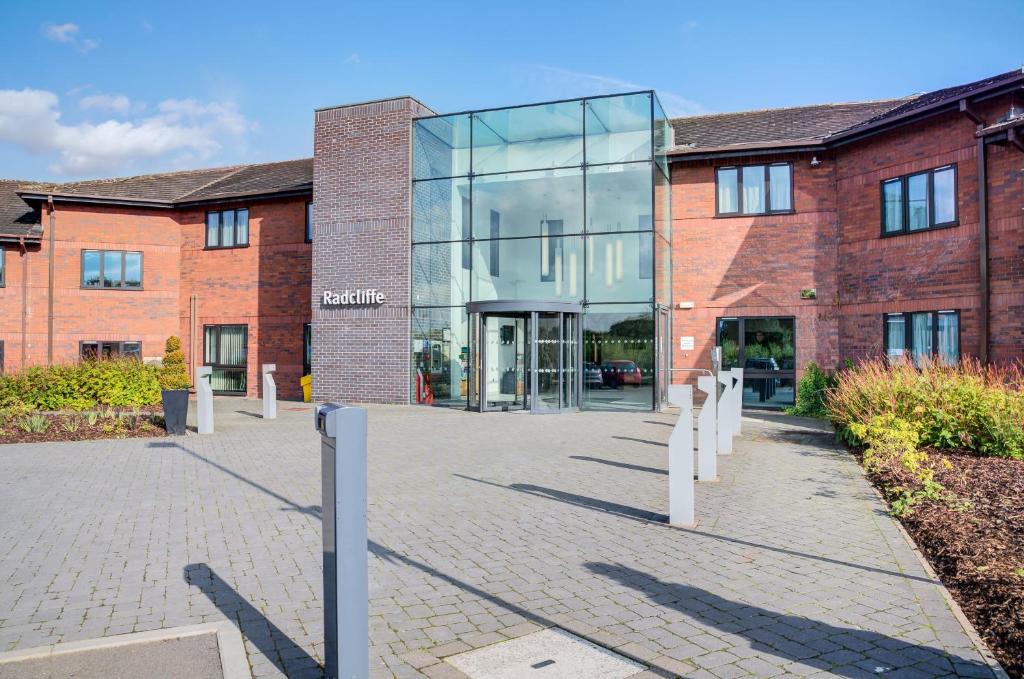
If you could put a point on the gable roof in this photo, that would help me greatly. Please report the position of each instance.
(18, 219)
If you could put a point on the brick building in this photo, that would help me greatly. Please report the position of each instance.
(546, 257)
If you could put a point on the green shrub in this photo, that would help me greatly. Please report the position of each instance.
(118, 383)
(811, 391)
(962, 406)
(173, 374)
(35, 424)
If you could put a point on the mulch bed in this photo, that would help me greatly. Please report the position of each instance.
(75, 427)
(975, 543)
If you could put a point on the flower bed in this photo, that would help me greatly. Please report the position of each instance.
(70, 426)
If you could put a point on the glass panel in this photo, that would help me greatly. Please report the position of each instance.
(619, 128)
(618, 357)
(232, 345)
(227, 231)
(768, 344)
(892, 205)
(307, 348)
(309, 220)
(505, 346)
(769, 392)
(620, 267)
(949, 337)
(212, 229)
(570, 357)
(242, 222)
(663, 271)
(210, 345)
(529, 268)
(895, 335)
(440, 146)
(91, 268)
(921, 337)
(729, 340)
(917, 201)
(440, 210)
(528, 137)
(112, 269)
(549, 349)
(525, 200)
(753, 190)
(662, 205)
(440, 356)
(727, 191)
(90, 350)
(780, 177)
(133, 269)
(664, 137)
(944, 185)
(228, 379)
(438, 278)
(133, 349)
(619, 197)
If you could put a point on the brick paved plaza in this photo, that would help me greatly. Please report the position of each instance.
(482, 527)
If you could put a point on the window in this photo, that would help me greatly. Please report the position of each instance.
(1, 357)
(3, 268)
(307, 349)
(934, 334)
(765, 347)
(114, 269)
(95, 350)
(229, 228)
(309, 221)
(919, 201)
(225, 350)
(754, 190)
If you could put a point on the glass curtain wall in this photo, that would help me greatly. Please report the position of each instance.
(560, 201)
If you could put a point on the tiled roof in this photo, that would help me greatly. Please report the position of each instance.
(17, 218)
(191, 185)
(797, 126)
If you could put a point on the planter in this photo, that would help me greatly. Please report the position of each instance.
(175, 410)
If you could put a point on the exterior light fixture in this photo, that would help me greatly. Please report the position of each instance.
(815, 162)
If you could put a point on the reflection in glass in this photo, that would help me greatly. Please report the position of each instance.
(768, 344)
(728, 191)
(921, 337)
(618, 357)
(662, 205)
(242, 225)
(440, 146)
(753, 189)
(944, 189)
(895, 335)
(892, 200)
(438, 277)
(781, 186)
(526, 200)
(529, 268)
(620, 267)
(528, 137)
(729, 340)
(440, 210)
(619, 197)
(227, 230)
(664, 137)
(769, 392)
(948, 329)
(112, 269)
(440, 356)
(917, 201)
(91, 268)
(212, 229)
(619, 128)
(132, 269)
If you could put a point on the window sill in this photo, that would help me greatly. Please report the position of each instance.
(939, 227)
(226, 247)
(96, 287)
(733, 215)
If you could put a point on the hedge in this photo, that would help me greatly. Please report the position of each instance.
(117, 383)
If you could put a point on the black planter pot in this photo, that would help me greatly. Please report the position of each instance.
(175, 410)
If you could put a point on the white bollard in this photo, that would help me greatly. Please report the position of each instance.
(725, 413)
(269, 391)
(204, 400)
(680, 458)
(737, 402)
(707, 463)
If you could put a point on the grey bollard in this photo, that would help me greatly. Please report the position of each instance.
(737, 403)
(680, 458)
(269, 391)
(707, 463)
(346, 584)
(725, 413)
(204, 400)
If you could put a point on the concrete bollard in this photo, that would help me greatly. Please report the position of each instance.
(725, 413)
(204, 400)
(680, 458)
(269, 391)
(707, 463)
(737, 403)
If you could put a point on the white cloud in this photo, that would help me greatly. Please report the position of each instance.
(68, 33)
(106, 102)
(353, 59)
(582, 84)
(689, 25)
(190, 130)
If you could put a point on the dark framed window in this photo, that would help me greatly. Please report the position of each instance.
(754, 190)
(307, 349)
(765, 347)
(3, 267)
(1, 357)
(226, 349)
(112, 269)
(920, 201)
(920, 334)
(309, 221)
(227, 228)
(95, 350)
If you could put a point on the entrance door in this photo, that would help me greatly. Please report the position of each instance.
(505, 370)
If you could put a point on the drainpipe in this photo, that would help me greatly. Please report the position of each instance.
(24, 303)
(983, 291)
(49, 289)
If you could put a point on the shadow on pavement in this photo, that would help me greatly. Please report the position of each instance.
(842, 651)
(647, 441)
(621, 465)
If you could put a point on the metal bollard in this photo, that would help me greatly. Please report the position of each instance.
(204, 400)
(725, 413)
(737, 403)
(680, 458)
(707, 462)
(269, 391)
(346, 586)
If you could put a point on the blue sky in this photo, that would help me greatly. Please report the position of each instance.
(106, 89)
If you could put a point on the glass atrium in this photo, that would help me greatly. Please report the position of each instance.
(541, 264)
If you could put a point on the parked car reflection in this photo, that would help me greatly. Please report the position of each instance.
(618, 373)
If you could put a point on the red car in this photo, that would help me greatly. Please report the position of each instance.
(618, 373)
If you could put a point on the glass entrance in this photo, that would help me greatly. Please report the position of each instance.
(504, 355)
